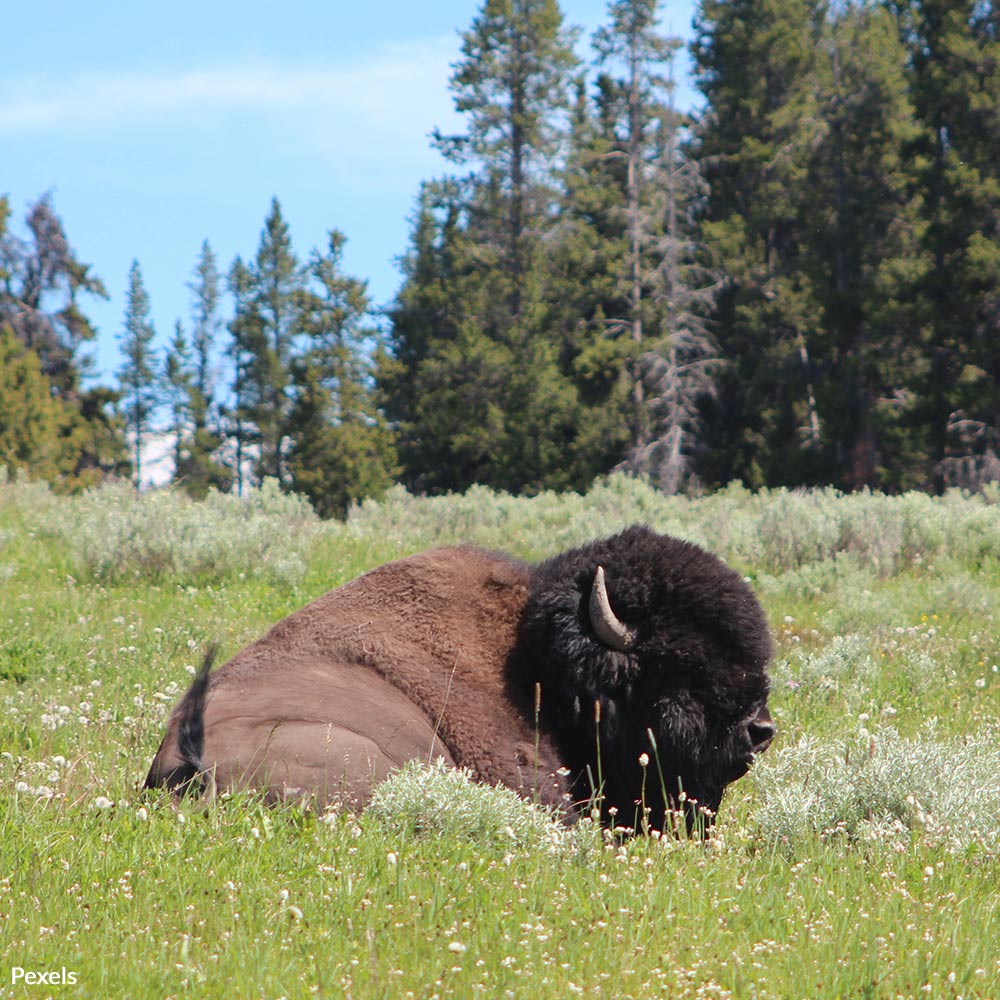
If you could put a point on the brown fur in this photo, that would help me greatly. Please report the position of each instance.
(407, 661)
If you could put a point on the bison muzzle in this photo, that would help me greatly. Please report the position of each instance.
(630, 673)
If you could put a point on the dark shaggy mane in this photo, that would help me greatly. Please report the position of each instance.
(701, 636)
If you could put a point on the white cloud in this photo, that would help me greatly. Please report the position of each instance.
(386, 87)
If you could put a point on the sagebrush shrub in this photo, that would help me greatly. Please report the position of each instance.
(768, 532)
(820, 534)
(440, 801)
(882, 785)
(116, 533)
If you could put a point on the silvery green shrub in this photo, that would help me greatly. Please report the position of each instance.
(436, 800)
(819, 535)
(770, 532)
(116, 533)
(882, 785)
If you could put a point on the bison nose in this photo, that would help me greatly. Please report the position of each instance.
(761, 730)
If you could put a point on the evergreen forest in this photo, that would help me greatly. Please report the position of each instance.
(797, 283)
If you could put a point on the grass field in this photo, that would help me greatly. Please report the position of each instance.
(860, 858)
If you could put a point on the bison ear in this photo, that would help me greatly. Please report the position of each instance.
(613, 632)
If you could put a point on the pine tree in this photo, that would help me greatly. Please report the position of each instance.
(137, 372)
(98, 436)
(438, 389)
(420, 315)
(861, 252)
(265, 326)
(417, 377)
(41, 283)
(341, 447)
(33, 420)
(755, 61)
(587, 280)
(473, 381)
(245, 339)
(955, 50)
(472, 399)
(206, 289)
(198, 467)
(178, 392)
(511, 83)
(335, 461)
(42, 279)
(278, 280)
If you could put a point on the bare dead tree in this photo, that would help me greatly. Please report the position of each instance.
(678, 366)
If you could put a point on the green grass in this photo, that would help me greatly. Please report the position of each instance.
(859, 859)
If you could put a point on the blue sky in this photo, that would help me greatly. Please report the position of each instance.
(158, 126)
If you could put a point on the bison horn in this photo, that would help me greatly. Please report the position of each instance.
(609, 628)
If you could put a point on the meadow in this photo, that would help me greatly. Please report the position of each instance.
(860, 858)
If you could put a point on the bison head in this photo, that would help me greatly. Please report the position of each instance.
(647, 649)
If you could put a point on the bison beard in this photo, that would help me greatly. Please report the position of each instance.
(550, 679)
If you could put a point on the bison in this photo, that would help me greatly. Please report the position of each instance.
(630, 672)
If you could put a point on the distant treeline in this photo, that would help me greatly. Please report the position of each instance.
(797, 285)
